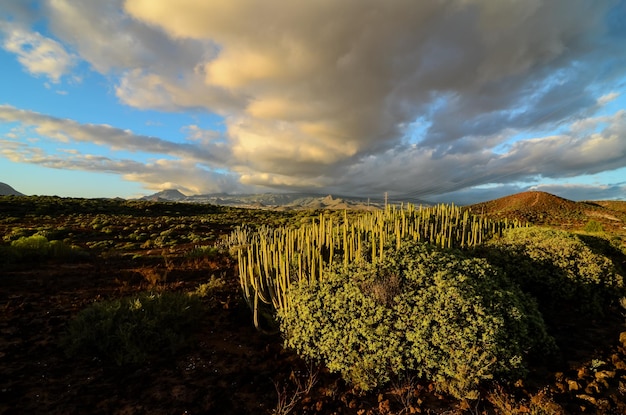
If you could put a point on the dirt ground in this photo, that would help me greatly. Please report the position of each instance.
(233, 369)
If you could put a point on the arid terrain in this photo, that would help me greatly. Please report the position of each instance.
(231, 368)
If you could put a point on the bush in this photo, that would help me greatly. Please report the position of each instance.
(440, 315)
(132, 329)
(594, 226)
(558, 268)
(37, 247)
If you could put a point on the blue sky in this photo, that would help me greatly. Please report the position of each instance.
(444, 101)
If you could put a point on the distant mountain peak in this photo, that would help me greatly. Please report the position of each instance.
(6, 190)
(168, 194)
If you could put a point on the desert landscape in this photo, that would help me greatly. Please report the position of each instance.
(114, 249)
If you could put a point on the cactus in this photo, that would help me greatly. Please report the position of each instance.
(270, 259)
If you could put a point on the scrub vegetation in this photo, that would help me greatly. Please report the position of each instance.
(113, 306)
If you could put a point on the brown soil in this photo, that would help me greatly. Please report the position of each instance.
(233, 369)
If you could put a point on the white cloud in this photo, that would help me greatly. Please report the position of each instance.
(38, 54)
(65, 130)
(605, 99)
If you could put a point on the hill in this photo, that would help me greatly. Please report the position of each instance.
(543, 208)
(172, 195)
(6, 190)
(278, 201)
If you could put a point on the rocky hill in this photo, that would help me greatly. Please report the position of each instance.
(6, 190)
(172, 195)
(547, 209)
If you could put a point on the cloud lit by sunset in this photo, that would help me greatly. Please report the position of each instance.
(439, 100)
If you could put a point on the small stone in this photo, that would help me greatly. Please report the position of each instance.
(573, 385)
(603, 405)
(588, 398)
(384, 407)
(618, 362)
(593, 388)
(605, 374)
(561, 387)
(583, 372)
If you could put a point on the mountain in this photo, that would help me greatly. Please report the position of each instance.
(330, 202)
(6, 190)
(282, 201)
(172, 195)
(547, 209)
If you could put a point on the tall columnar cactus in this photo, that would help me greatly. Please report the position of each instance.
(270, 259)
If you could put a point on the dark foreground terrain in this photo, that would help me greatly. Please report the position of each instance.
(231, 368)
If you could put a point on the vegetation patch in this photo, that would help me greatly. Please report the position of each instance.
(131, 329)
(560, 269)
(35, 248)
(438, 315)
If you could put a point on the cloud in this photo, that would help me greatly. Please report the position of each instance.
(64, 130)
(196, 165)
(328, 85)
(38, 54)
(360, 96)
(605, 99)
(161, 174)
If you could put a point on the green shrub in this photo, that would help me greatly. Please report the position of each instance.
(558, 268)
(594, 226)
(130, 330)
(210, 288)
(203, 251)
(37, 247)
(440, 315)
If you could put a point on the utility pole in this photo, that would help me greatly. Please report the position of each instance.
(385, 200)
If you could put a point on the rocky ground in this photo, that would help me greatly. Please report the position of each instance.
(234, 369)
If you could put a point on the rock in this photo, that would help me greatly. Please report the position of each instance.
(605, 374)
(588, 398)
(572, 385)
(593, 388)
(622, 338)
(617, 362)
(583, 372)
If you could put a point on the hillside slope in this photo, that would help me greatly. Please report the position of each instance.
(547, 209)
(6, 190)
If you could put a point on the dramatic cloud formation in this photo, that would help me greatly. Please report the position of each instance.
(415, 98)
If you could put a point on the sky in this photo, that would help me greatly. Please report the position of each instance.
(441, 100)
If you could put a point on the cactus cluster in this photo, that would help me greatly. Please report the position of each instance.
(271, 258)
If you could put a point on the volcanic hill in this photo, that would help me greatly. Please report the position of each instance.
(6, 190)
(543, 208)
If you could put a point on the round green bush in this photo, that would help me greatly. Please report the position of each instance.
(558, 268)
(439, 315)
(131, 329)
